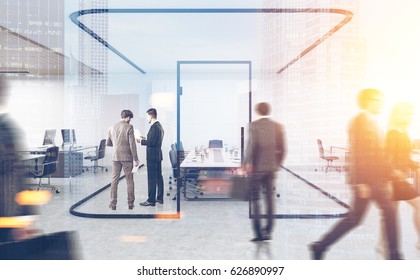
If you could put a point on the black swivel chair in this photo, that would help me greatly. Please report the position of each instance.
(98, 154)
(48, 167)
(329, 158)
(179, 148)
(215, 143)
(191, 178)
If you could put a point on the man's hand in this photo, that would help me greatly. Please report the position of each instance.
(136, 162)
(363, 190)
(247, 168)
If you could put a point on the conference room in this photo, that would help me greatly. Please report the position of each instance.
(203, 66)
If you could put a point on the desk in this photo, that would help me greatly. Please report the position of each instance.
(215, 169)
(31, 157)
(70, 159)
(215, 158)
(77, 148)
(40, 150)
(31, 161)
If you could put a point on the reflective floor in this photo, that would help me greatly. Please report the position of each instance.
(219, 229)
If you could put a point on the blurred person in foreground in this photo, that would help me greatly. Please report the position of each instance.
(17, 213)
(398, 148)
(265, 152)
(121, 137)
(369, 176)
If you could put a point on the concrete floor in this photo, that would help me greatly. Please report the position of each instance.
(213, 230)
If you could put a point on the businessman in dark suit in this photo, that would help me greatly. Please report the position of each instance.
(121, 137)
(368, 175)
(265, 152)
(16, 220)
(153, 141)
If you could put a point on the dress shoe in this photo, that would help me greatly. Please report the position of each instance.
(266, 237)
(257, 239)
(159, 201)
(147, 203)
(113, 207)
(261, 238)
(317, 253)
(130, 207)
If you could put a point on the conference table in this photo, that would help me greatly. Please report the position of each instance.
(214, 168)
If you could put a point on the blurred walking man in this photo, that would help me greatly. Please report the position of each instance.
(265, 152)
(369, 172)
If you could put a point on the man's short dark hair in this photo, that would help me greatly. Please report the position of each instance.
(152, 112)
(126, 114)
(263, 108)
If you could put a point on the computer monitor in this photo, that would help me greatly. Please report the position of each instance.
(73, 137)
(69, 136)
(49, 137)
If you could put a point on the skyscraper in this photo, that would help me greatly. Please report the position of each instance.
(316, 94)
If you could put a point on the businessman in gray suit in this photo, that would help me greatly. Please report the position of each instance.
(121, 137)
(265, 152)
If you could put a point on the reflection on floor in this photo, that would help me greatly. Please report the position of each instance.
(214, 229)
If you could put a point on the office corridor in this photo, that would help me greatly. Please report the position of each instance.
(218, 229)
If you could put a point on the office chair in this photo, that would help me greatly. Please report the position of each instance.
(328, 158)
(191, 178)
(179, 149)
(98, 154)
(215, 143)
(48, 167)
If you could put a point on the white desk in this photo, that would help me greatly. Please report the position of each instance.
(215, 171)
(31, 157)
(216, 158)
(31, 161)
(70, 159)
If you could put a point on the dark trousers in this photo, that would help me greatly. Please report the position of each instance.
(262, 182)
(355, 216)
(154, 178)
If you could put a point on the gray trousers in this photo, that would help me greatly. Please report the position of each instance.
(116, 172)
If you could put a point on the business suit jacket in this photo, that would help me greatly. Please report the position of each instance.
(11, 169)
(368, 163)
(398, 149)
(121, 137)
(154, 142)
(266, 147)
